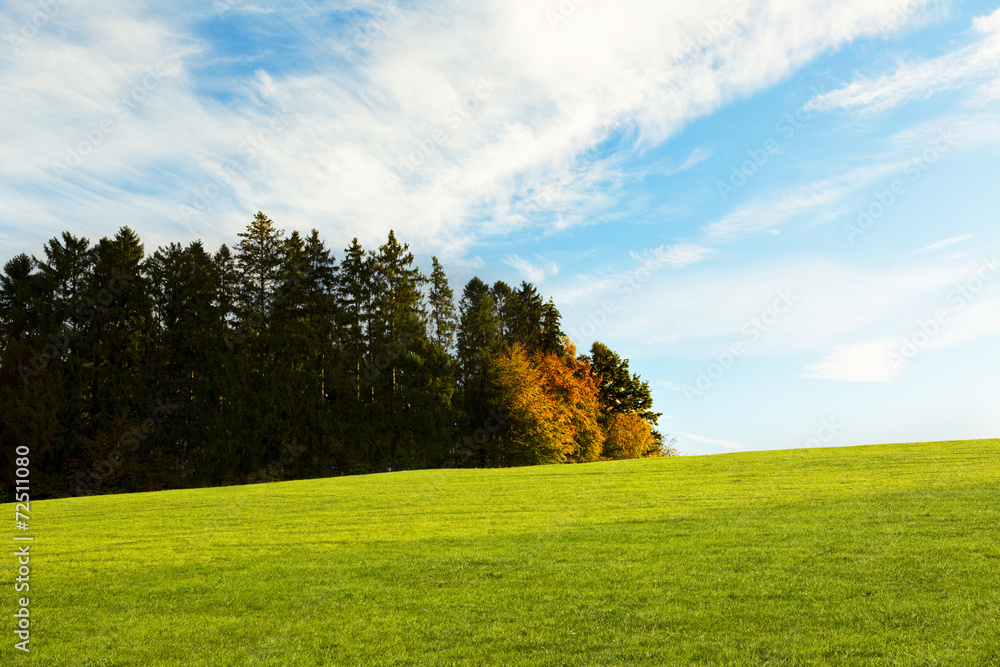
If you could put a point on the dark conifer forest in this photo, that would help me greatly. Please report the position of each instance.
(275, 359)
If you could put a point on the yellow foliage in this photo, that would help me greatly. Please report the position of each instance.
(628, 436)
(552, 405)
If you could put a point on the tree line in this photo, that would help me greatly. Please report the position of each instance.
(122, 371)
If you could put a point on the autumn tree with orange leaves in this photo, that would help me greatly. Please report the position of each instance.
(552, 407)
(557, 415)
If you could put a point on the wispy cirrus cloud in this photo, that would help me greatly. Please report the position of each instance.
(862, 362)
(973, 66)
(774, 210)
(954, 240)
(728, 444)
(418, 130)
(535, 272)
(674, 256)
(696, 157)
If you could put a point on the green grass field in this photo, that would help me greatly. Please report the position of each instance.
(884, 555)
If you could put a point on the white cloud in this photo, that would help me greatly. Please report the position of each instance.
(615, 283)
(696, 157)
(946, 243)
(978, 319)
(827, 199)
(674, 256)
(776, 209)
(862, 362)
(695, 314)
(972, 65)
(544, 97)
(223, 7)
(728, 444)
(534, 274)
(959, 305)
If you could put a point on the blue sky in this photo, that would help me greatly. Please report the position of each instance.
(784, 213)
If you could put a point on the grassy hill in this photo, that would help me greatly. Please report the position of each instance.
(883, 555)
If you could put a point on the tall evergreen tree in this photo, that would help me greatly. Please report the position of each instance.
(552, 336)
(526, 317)
(25, 301)
(259, 427)
(480, 344)
(116, 342)
(259, 258)
(30, 393)
(321, 303)
(353, 382)
(443, 320)
(184, 285)
(355, 289)
(398, 299)
(230, 365)
(65, 270)
(479, 332)
(227, 288)
(305, 320)
(507, 307)
(111, 361)
(397, 335)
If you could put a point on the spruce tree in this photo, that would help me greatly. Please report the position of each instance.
(480, 345)
(441, 299)
(398, 336)
(505, 303)
(30, 395)
(353, 386)
(259, 424)
(117, 339)
(526, 326)
(184, 286)
(551, 336)
(259, 258)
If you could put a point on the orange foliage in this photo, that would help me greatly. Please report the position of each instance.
(628, 436)
(553, 405)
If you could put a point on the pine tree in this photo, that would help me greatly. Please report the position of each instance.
(64, 270)
(526, 314)
(113, 350)
(30, 360)
(355, 312)
(398, 335)
(321, 304)
(25, 314)
(184, 286)
(230, 367)
(443, 321)
(118, 336)
(305, 320)
(259, 425)
(479, 347)
(506, 305)
(479, 332)
(551, 336)
(259, 259)
(355, 289)
(397, 299)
